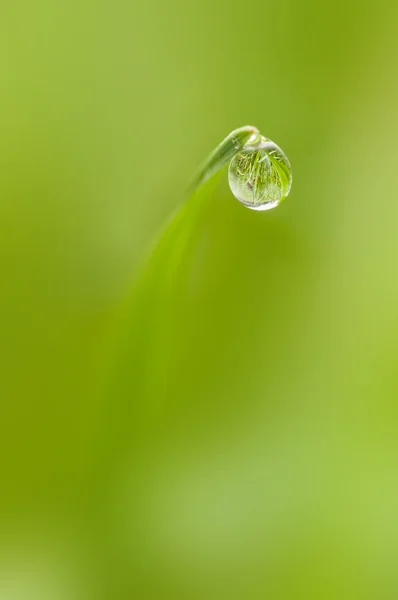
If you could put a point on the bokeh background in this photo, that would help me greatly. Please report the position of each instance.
(240, 439)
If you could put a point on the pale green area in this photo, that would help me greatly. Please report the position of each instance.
(228, 428)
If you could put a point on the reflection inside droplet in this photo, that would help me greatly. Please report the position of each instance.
(260, 177)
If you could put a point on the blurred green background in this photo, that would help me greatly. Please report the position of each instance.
(239, 440)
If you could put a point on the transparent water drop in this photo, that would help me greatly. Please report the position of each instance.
(260, 176)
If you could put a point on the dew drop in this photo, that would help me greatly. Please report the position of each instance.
(260, 176)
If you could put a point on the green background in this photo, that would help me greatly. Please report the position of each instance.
(239, 439)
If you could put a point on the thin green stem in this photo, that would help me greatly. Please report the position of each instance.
(224, 152)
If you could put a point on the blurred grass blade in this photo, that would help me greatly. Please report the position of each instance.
(143, 366)
(148, 317)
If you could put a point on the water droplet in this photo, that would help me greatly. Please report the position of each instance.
(260, 176)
